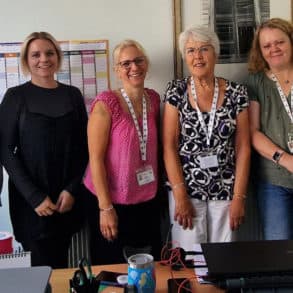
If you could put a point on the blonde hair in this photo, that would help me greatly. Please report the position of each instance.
(38, 36)
(256, 62)
(125, 44)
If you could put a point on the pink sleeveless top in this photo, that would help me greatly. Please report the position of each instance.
(123, 157)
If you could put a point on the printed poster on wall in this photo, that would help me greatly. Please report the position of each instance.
(85, 65)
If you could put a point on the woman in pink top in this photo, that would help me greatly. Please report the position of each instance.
(123, 168)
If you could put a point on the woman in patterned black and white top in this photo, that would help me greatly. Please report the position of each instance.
(206, 146)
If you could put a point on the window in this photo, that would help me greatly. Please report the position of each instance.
(235, 22)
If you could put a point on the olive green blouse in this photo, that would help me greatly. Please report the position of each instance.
(274, 123)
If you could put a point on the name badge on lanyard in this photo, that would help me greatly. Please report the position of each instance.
(287, 109)
(208, 161)
(145, 174)
(208, 129)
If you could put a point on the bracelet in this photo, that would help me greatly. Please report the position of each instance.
(240, 196)
(107, 209)
(177, 185)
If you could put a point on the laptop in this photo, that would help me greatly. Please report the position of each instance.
(25, 280)
(248, 258)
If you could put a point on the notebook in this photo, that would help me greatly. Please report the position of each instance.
(18, 259)
(25, 280)
(248, 258)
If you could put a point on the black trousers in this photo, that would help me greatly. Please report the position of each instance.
(51, 252)
(138, 226)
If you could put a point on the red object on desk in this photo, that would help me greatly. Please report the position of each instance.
(6, 243)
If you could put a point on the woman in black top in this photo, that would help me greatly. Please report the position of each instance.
(44, 150)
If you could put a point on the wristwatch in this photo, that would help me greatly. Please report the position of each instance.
(277, 156)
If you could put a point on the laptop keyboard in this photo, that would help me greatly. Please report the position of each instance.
(284, 281)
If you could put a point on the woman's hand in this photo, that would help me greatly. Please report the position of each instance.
(46, 208)
(65, 202)
(109, 224)
(184, 212)
(237, 212)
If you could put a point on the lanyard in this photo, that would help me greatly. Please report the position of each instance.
(284, 98)
(208, 130)
(144, 136)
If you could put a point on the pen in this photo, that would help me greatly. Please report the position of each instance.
(109, 283)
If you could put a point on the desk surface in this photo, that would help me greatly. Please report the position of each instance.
(60, 278)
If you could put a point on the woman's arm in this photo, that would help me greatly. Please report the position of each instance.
(79, 148)
(98, 137)
(10, 110)
(242, 154)
(184, 211)
(79, 158)
(263, 145)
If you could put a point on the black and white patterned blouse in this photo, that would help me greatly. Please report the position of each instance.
(214, 183)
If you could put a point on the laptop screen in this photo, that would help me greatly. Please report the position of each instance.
(25, 280)
(248, 258)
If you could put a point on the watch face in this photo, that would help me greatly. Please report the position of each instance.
(277, 156)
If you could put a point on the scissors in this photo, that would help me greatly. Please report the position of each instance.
(83, 280)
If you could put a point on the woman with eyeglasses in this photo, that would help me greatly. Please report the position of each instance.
(123, 167)
(206, 146)
(270, 88)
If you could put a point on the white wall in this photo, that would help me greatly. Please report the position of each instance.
(148, 21)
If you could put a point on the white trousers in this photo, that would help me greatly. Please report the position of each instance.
(211, 223)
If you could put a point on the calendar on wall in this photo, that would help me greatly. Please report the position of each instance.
(85, 65)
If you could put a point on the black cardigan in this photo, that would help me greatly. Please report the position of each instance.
(44, 150)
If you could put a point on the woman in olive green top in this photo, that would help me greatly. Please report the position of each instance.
(270, 88)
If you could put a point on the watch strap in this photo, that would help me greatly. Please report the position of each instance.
(277, 156)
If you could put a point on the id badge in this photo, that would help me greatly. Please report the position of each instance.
(208, 161)
(290, 141)
(145, 175)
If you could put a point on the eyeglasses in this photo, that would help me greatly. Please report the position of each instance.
(138, 61)
(202, 50)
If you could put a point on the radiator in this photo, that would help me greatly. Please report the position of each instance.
(79, 247)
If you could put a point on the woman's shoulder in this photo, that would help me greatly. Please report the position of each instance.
(109, 98)
(236, 92)
(258, 78)
(175, 91)
(235, 86)
(154, 95)
(13, 100)
(71, 88)
(177, 85)
(154, 98)
(15, 94)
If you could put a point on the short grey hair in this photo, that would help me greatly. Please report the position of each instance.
(201, 34)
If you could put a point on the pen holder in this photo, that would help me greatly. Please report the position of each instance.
(83, 281)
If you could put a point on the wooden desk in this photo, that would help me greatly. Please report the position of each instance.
(60, 278)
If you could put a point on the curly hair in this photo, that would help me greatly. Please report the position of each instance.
(256, 62)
